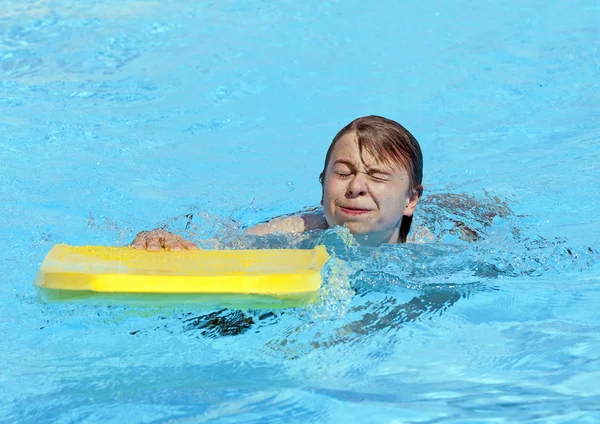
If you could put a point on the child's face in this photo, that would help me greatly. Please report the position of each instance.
(368, 197)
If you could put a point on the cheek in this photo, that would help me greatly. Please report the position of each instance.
(330, 189)
(393, 205)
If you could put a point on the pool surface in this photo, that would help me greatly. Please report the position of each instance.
(208, 117)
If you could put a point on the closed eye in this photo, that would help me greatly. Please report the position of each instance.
(380, 176)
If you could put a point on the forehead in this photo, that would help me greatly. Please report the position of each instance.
(347, 149)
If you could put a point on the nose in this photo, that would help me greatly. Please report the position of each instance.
(357, 185)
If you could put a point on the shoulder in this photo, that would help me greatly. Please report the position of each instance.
(420, 234)
(297, 223)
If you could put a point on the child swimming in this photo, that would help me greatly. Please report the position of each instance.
(371, 183)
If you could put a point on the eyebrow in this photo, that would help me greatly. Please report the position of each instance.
(344, 162)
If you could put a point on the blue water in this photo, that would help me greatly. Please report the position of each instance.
(123, 116)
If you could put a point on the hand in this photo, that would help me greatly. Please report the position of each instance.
(161, 239)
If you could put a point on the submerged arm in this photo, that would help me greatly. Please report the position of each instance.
(389, 316)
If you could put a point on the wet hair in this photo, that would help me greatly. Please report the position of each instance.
(390, 144)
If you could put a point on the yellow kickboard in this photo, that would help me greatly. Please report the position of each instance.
(272, 272)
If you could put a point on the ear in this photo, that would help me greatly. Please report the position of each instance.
(412, 204)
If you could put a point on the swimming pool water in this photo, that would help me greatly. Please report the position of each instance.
(123, 116)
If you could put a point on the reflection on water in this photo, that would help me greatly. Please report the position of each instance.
(224, 322)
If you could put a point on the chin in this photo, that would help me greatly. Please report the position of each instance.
(357, 229)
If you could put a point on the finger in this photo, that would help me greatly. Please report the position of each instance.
(185, 244)
(189, 245)
(173, 244)
(139, 242)
(153, 244)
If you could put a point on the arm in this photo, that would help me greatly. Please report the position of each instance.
(313, 220)
(161, 239)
